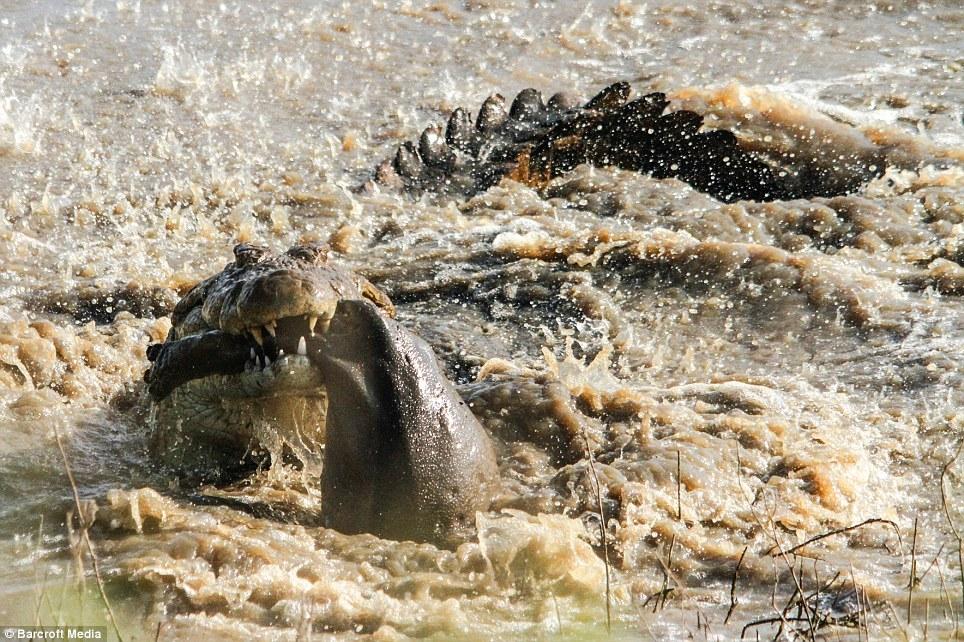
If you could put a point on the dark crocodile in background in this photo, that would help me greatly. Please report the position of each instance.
(535, 141)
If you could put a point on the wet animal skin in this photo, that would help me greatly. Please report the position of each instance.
(534, 141)
(235, 359)
(404, 456)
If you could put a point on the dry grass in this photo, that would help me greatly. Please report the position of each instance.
(85, 538)
(821, 602)
(604, 542)
(955, 531)
(833, 606)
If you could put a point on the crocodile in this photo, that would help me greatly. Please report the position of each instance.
(292, 338)
(533, 141)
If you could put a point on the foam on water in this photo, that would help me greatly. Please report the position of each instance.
(745, 375)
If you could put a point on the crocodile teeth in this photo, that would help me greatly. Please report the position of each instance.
(302, 347)
(256, 334)
(253, 354)
(270, 327)
(267, 361)
(312, 321)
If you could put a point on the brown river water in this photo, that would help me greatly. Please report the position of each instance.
(746, 376)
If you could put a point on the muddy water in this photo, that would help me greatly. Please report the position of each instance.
(746, 376)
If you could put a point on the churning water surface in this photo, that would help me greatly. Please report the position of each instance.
(747, 376)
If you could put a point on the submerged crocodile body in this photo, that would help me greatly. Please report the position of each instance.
(534, 141)
(291, 338)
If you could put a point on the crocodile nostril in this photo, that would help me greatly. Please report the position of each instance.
(315, 253)
(247, 254)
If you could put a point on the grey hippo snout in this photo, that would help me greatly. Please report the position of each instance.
(405, 458)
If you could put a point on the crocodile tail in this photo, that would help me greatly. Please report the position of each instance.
(533, 141)
(614, 131)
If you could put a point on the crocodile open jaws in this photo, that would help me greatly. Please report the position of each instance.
(276, 338)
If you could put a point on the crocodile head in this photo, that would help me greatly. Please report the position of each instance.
(233, 377)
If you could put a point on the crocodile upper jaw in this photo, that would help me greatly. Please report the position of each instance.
(272, 362)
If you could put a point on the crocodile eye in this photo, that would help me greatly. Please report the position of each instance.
(316, 253)
(246, 254)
